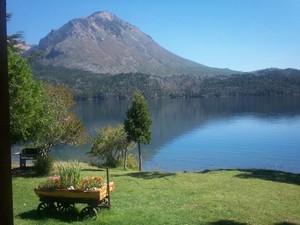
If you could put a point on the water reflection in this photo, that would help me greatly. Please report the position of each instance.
(173, 118)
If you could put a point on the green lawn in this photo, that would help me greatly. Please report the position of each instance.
(213, 197)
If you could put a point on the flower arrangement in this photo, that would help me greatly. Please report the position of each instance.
(88, 183)
(92, 183)
(70, 178)
(52, 183)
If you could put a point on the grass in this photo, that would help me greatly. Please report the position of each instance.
(221, 197)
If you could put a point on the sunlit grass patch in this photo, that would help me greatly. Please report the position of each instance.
(213, 197)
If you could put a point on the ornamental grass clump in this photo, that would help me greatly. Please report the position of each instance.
(69, 175)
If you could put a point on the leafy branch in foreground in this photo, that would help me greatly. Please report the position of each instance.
(26, 100)
(40, 113)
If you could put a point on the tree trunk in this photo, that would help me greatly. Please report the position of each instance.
(125, 159)
(140, 157)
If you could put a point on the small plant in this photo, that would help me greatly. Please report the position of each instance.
(131, 162)
(43, 165)
(52, 183)
(91, 183)
(69, 175)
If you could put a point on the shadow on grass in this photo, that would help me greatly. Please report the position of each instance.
(26, 172)
(270, 175)
(148, 175)
(285, 223)
(226, 222)
(65, 217)
(94, 170)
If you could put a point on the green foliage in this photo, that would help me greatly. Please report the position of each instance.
(91, 183)
(87, 85)
(15, 41)
(69, 174)
(138, 122)
(40, 113)
(52, 183)
(70, 178)
(110, 145)
(26, 100)
(132, 162)
(63, 126)
(43, 165)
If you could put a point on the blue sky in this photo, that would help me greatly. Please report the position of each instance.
(242, 35)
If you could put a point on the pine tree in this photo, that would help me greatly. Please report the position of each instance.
(137, 123)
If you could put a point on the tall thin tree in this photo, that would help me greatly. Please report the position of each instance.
(138, 122)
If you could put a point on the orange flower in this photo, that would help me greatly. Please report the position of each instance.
(91, 182)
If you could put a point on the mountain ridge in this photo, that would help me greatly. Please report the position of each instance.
(91, 86)
(104, 43)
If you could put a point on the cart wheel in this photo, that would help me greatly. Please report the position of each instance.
(88, 212)
(104, 203)
(64, 207)
(45, 208)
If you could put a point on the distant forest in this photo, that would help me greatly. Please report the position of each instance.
(91, 86)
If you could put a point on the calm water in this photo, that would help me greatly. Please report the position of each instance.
(199, 134)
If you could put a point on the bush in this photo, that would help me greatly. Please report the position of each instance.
(43, 165)
(132, 162)
(109, 145)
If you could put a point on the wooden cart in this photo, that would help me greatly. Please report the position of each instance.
(64, 200)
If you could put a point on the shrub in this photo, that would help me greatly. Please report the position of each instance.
(132, 162)
(109, 146)
(43, 165)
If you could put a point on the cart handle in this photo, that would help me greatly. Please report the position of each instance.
(108, 188)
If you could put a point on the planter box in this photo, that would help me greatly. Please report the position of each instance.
(76, 194)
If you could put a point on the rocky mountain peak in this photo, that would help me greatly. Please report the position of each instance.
(105, 15)
(103, 43)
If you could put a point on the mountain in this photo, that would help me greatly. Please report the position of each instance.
(103, 43)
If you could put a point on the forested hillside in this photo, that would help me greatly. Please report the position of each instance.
(87, 85)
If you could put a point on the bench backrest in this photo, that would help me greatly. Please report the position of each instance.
(29, 152)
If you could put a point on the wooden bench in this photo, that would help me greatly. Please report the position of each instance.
(27, 154)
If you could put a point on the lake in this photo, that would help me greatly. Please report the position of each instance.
(207, 133)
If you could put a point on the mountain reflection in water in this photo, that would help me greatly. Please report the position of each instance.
(207, 133)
